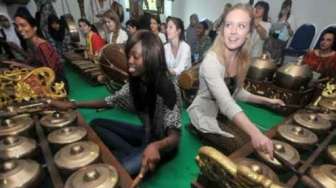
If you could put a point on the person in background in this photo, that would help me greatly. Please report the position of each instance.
(323, 60)
(7, 31)
(94, 42)
(59, 34)
(145, 21)
(44, 9)
(132, 26)
(191, 33)
(163, 28)
(155, 28)
(280, 33)
(261, 28)
(116, 35)
(220, 19)
(152, 96)
(221, 79)
(41, 53)
(177, 51)
(6, 39)
(203, 41)
(119, 9)
(214, 29)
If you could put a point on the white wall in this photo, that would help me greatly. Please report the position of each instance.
(321, 13)
(210, 9)
(318, 12)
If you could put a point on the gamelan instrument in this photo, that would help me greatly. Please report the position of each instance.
(96, 175)
(18, 125)
(261, 69)
(16, 147)
(312, 121)
(24, 85)
(76, 155)
(58, 119)
(296, 135)
(67, 135)
(331, 153)
(113, 62)
(227, 173)
(20, 173)
(287, 152)
(293, 75)
(72, 27)
(325, 175)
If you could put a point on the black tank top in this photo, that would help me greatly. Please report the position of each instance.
(231, 83)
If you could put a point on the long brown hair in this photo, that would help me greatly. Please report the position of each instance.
(110, 14)
(243, 57)
(285, 4)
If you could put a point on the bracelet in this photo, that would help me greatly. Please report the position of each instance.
(74, 104)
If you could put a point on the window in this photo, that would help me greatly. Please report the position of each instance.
(152, 6)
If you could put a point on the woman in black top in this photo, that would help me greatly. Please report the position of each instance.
(152, 96)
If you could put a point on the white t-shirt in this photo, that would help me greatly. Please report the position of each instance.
(162, 37)
(256, 42)
(182, 61)
(122, 37)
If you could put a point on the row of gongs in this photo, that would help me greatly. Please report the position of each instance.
(74, 156)
(303, 134)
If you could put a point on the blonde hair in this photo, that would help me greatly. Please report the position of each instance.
(110, 14)
(243, 57)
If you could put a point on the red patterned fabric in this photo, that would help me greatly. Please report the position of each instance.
(48, 57)
(323, 65)
(97, 42)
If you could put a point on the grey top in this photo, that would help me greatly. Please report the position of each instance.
(164, 118)
(214, 96)
(191, 38)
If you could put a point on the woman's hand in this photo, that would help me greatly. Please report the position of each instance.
(172, 72)
(62, 105)
(151, 156)
(275, 102)
(262, 143)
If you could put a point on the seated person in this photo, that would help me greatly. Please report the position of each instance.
(94, 41)
(280, 33)
(41, 52)
(131, 26)
(163, 28)
(261, 28)
(177, 51)
(153, 96)
(7, 31)
(203, 41)
(155, 28)
(59, 34)
(119, 9)
(116, 35)
(191, 33)
(221, 78)
(323, 60)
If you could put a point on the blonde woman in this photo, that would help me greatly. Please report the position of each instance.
(221, 78)
(116, 35)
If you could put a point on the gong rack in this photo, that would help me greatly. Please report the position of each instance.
(293, 177)
(294, 99)
(87, 68)
(53, 177)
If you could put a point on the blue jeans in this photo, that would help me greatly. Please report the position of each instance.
(124, 140)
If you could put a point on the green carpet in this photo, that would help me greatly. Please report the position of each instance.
(180, 171)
